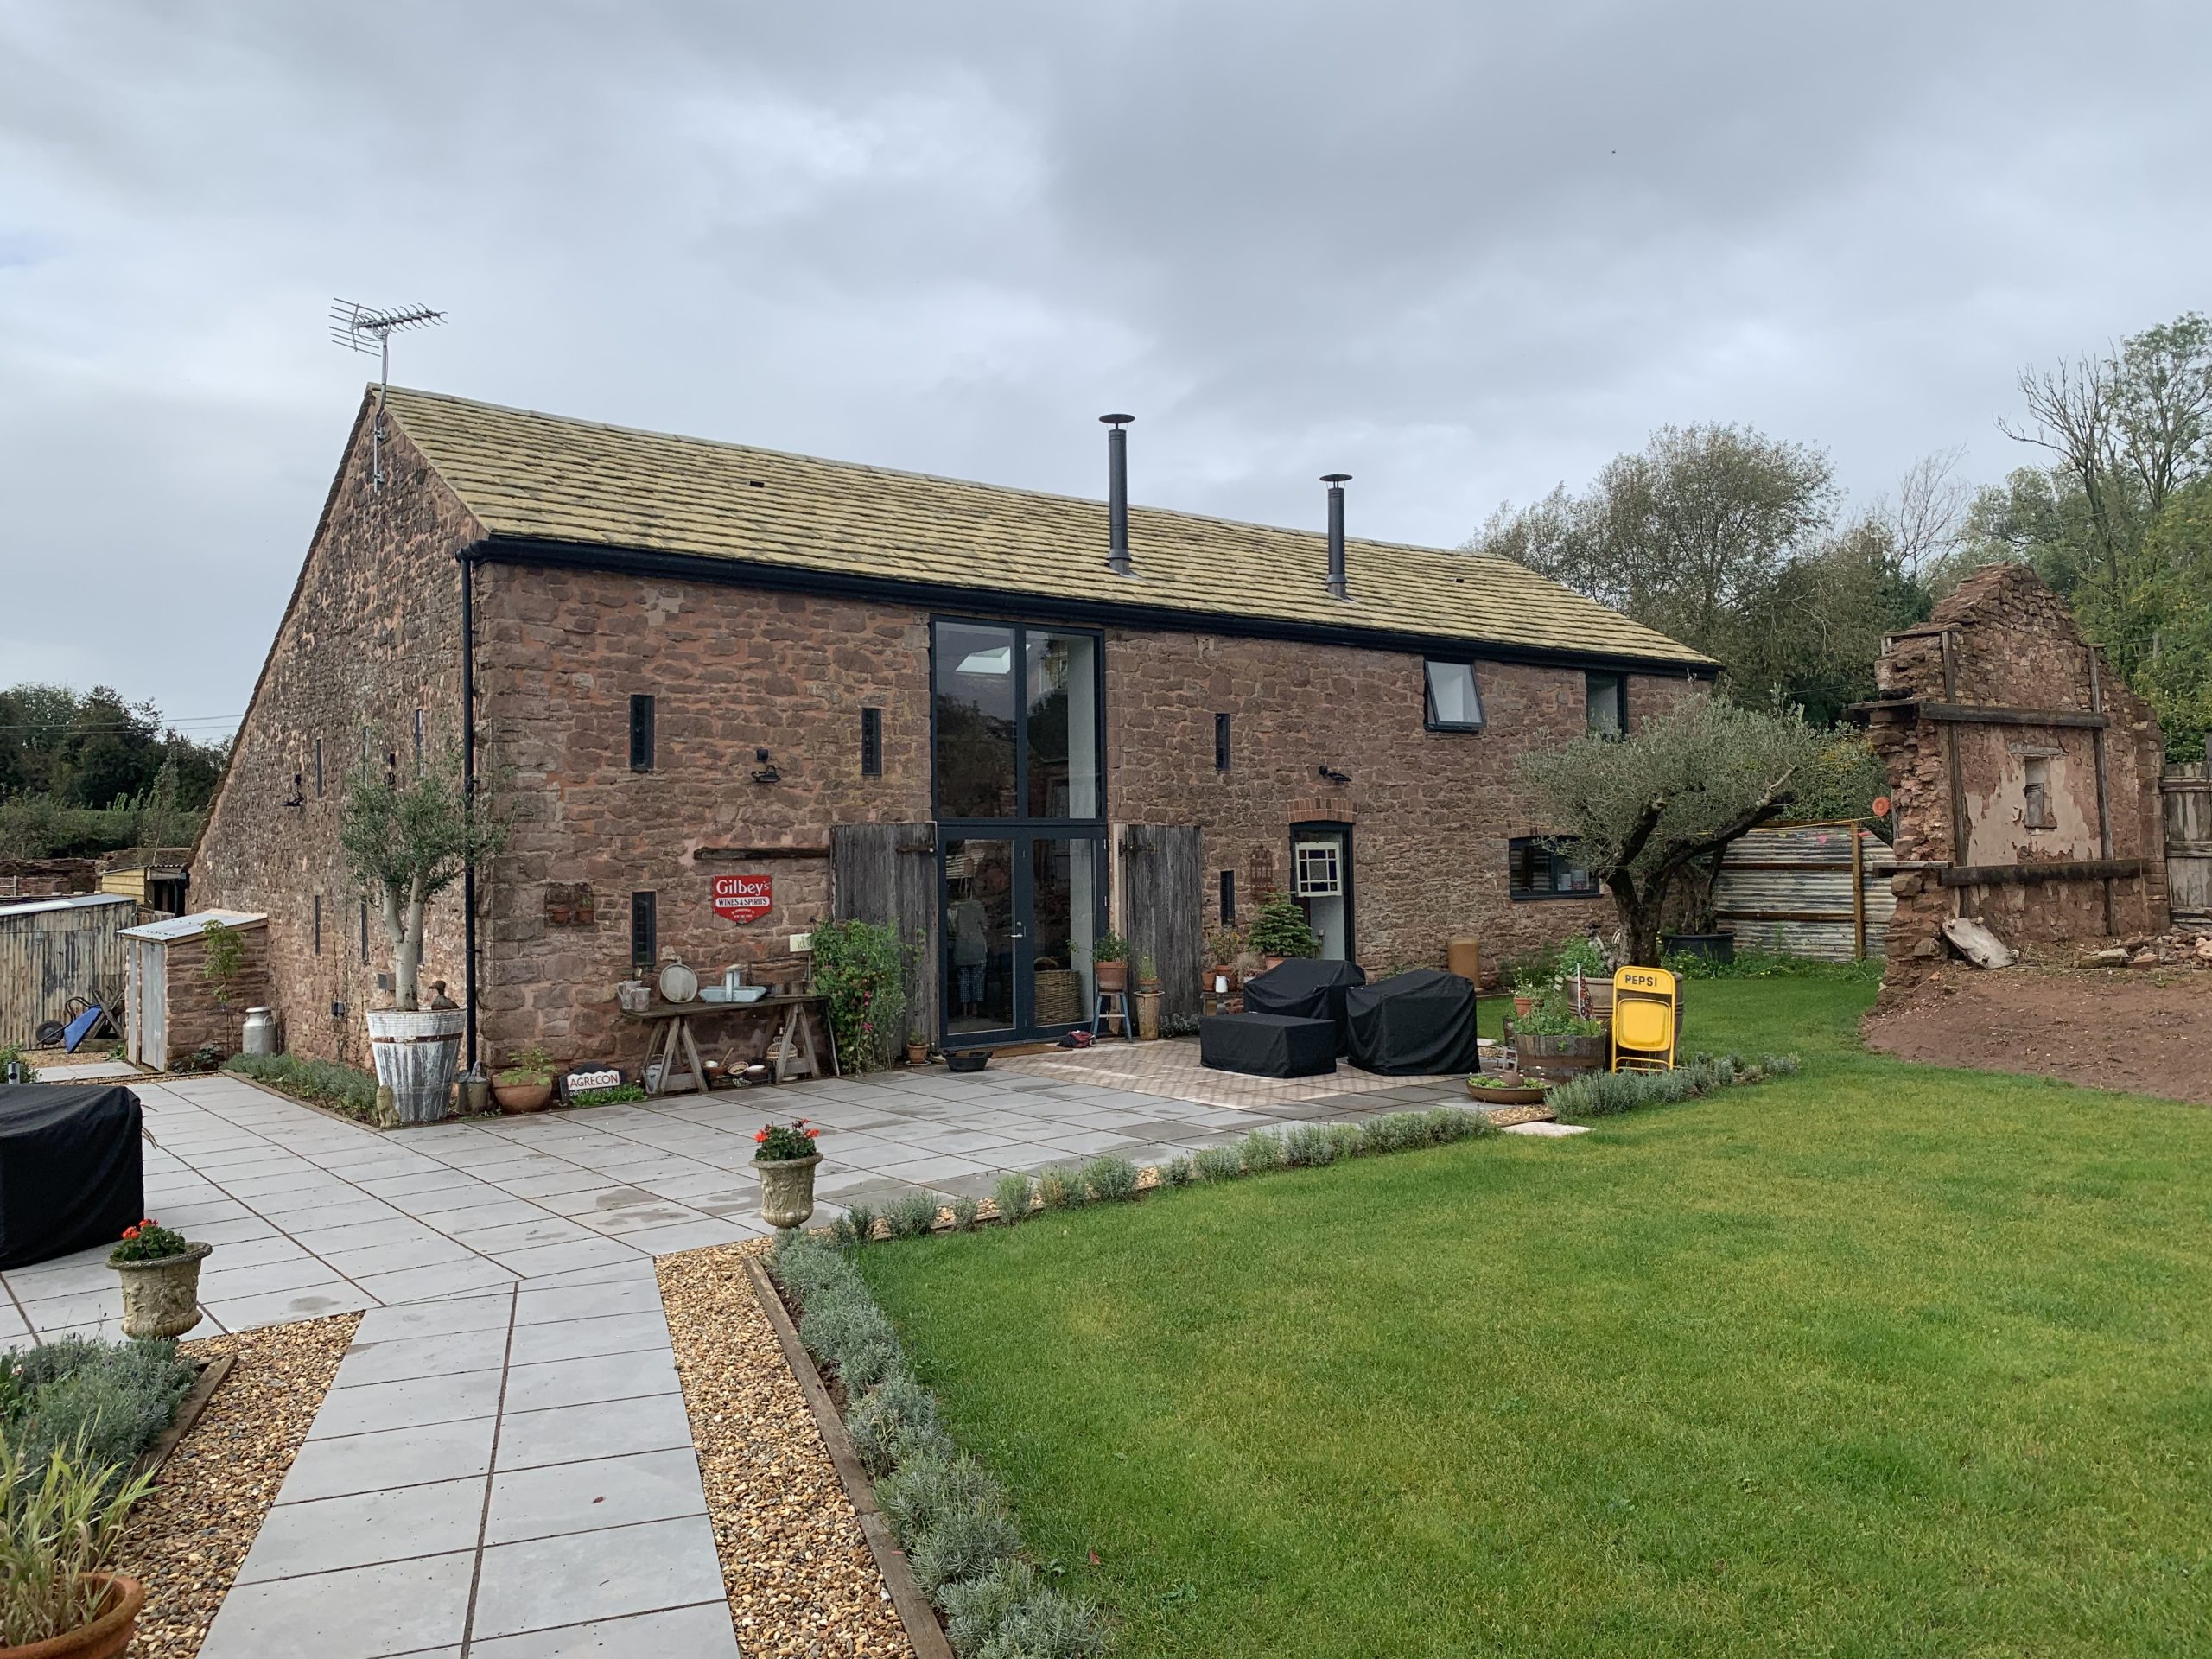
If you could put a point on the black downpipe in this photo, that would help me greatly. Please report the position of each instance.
(468, 795)
(1336, 482)
(1117, 495)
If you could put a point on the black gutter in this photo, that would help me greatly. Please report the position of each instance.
(926, 595)
(467, 558)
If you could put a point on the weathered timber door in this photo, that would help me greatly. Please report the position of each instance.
(1163, 908)
(887, 873)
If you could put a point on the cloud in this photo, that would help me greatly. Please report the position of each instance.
(1461, 252)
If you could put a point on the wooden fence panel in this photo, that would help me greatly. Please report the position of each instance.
(1163, 908)
(887, 872)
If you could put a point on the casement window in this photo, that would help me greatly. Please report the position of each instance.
(871, 742)
(1454, 702)
(1604, 700)
(1229, 897)
(1221, 743)
(641, 734)
(644, 932)
(318, 924)
(1317, 870)
(1535, 870)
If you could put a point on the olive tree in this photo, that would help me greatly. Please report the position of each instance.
(1648, 812)
(406, 840)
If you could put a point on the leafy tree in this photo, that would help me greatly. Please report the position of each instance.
(406, 840)
(1652, 813)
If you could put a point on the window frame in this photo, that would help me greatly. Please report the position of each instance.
(1221, 739)
(1518, 847)
(645, 930)
(318, 769)
(1620, 700)
(1228, 899)
(871, 742)
(318, 924)
(1430, 722)
(644, 735)
(1021, 631)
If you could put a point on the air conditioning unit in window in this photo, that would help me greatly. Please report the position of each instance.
(1316, 870)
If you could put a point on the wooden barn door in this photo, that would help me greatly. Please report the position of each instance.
(1163, 908)
(887, 872)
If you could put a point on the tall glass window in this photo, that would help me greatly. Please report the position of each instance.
(1017, 723)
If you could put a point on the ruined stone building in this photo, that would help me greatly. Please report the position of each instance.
(2024, 776)
(732, 694)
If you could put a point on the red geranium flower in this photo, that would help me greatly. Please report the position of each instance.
(760, 1135)
(813, 1134)
(130, 1232)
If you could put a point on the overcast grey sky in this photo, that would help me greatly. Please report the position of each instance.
(1461, 250)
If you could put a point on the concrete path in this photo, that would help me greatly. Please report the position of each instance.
(312, 1215)
(503, 1477)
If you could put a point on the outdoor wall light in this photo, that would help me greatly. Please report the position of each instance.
(1334, 776)
(766, 773)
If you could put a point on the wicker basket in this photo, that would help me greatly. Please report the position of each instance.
(1060, 996)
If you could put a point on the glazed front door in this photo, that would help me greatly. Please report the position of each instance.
(1021, 909)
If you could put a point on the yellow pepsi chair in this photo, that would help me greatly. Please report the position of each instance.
(1644, 1026)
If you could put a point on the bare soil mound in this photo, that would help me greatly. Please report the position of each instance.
(2143, 1030)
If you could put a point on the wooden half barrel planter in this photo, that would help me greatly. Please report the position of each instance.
(416, 1054)
(1564, 1055)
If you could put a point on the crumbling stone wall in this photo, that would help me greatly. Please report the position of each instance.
(2020, 800)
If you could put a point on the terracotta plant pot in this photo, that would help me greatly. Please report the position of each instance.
(1522, 1005)
(518, 1097)
(787, 1190)
(103, 1638)
(1491, 1094)
(1111, 976)
(161, 1299)
(917, 1053)
(1147, 1016)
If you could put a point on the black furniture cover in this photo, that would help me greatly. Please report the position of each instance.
(1306, 989)
(1268, 1044)
(1417, 1024)
(71, 1173)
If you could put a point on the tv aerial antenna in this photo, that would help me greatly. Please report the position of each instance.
(361, 328)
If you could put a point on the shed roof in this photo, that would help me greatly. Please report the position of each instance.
(72, 901)
(548, 479)
(189, 927)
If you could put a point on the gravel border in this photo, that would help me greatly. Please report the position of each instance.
(801, 1583)
(191, 1535)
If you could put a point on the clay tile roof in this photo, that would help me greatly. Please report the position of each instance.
(546, 478)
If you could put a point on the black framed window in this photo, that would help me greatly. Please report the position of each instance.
(1454, 702)
(1535, 870)
(318, 769)
(365, 929)
(318, 924)
(1221, 743)
(1229, 897)
(644, 932)
(871, 742)
(641, 734)
(1017, 718)
(1604, 698)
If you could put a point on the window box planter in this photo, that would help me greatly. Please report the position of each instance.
(105, 1638)
(787, 1189)
(160, 1299)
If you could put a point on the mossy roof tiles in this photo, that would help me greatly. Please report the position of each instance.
(542, 477)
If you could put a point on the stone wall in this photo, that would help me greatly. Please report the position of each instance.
(2013, 645)
(193, 1016)
(371, 636)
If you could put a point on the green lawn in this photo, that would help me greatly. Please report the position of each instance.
(1880, 1360)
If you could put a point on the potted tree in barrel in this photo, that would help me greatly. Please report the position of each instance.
(406, 843)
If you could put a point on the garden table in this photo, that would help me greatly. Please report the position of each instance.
(792, 1054)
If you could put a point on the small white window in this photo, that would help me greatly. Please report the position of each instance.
(1318, 870)
(1454, 705)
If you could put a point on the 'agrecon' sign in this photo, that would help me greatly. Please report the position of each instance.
(744, 897)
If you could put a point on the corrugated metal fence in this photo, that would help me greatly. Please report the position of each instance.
(1808, 890)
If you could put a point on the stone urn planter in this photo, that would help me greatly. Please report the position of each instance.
(161, 1298)
(415, 1055)
(1147, 1016)
(105, 1638)
(787, 1189)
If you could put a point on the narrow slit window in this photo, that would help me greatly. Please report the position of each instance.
(871, 742)
(1229, 897)
(645, 930)
(1221, 743)
(1455, 704)
(318, 924)
(421, 735)
(365, 929)
(641, 734)
(318, 769)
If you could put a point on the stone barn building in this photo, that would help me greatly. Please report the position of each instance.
(732, 694)
(2024, 775)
